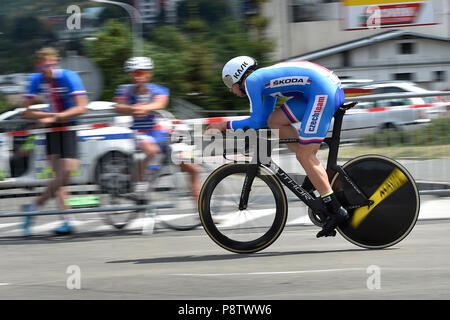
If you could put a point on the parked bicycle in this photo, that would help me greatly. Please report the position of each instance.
(379, 194)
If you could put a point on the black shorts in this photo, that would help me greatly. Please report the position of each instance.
(62, 143)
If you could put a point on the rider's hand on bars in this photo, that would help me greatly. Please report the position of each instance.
(139, 110)
(221, 126)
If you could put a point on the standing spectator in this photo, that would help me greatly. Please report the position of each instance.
(67, 99)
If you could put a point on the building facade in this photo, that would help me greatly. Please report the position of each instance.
(301, 26)
(151, 10)
(391, 55)
(316, 31)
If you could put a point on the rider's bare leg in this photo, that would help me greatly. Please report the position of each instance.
(150, 150)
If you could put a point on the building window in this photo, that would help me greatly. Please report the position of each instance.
(439, 76)
(406, 76)
(346, 58)
(304, 10)
(407, 48)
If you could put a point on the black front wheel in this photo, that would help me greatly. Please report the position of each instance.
(242, 230)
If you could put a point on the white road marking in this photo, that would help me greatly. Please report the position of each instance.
(265, 272)
(7, 225)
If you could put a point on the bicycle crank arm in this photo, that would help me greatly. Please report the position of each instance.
(367, 204)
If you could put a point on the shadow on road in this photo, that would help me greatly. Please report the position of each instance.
(216, 257)
(75, 237)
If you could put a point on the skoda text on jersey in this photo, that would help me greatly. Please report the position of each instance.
(314, 93)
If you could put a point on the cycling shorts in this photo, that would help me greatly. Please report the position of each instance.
(62, 143)
(153, 136)
(315, 114)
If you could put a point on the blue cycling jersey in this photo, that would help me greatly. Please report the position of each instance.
(60, 92)
(314, 94)
(127, 92)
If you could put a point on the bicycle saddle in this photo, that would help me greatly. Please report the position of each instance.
(348, 105)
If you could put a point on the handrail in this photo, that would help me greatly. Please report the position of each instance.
(383, 96)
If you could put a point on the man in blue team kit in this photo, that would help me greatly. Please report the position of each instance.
(314, 94)
(139, 99)
(67, 99)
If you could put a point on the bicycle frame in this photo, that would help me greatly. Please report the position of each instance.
(313, 202)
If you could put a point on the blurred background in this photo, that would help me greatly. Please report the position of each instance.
(398, 50)
(374, 46)
(190, 40)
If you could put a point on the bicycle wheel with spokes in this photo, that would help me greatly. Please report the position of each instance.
(118, 218)
(396, 205)
(242, 231)
(172, 185)
(114, 180)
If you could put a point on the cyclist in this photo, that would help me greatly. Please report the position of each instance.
(67, 99)
(139, 99)
(314, 94)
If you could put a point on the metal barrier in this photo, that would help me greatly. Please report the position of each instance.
(147, 208)
(382, 96)
(106, 115)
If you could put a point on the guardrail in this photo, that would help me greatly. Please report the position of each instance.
(104, 115)
(372, 97)
(383, 96)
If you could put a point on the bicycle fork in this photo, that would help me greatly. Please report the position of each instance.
(247, 186)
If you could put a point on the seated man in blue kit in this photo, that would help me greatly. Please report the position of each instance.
(314, 93)
(139, 99)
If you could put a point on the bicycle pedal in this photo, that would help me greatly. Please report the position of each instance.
(331, 233)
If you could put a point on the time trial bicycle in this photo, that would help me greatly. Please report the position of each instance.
(379, 194)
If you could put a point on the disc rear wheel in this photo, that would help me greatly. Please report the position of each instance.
(395, 197)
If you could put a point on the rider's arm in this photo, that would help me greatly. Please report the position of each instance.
(259, 110)
(160, 98)
(121, 100)
(79, 95)
(80, 108)
(34, 114)
(121, 106)
(31, 98)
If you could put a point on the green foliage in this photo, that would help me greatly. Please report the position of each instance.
(111, 49)
(21, 37)
(4, 104)
(188, 63)
(435, 133)
(188, 57)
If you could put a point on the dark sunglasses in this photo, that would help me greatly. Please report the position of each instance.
(46, 65)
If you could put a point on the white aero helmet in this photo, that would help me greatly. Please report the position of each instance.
(138, 63)
(234, 69)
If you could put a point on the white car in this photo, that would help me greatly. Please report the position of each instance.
(392, 114)
(103, 149)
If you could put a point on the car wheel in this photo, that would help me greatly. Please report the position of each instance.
(389, 126)
(113, 173)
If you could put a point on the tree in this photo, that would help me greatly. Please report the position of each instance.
(188, 59)
(4, 104)
(111, 49)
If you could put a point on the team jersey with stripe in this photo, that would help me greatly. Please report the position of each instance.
(127, 93)
(60, 92)
(302, 81)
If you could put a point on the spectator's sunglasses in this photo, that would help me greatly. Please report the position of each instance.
(140, 73)
(44, 66)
